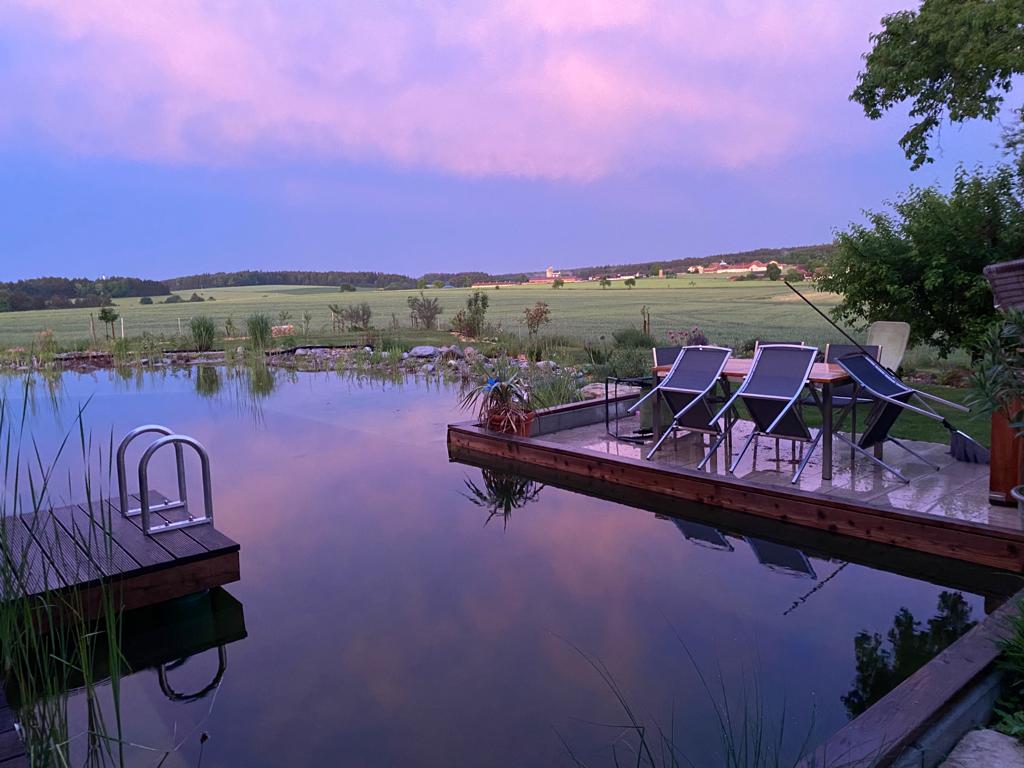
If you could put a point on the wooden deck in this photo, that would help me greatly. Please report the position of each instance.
(88, 550)
(944, 513)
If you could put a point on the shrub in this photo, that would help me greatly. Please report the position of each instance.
(536, 316)
(346, 288)
(195, 297)
(145, 300)
(633, 338)
(630, 282)
(204, 331)
(423, 311)
(259, 329)
(173, 299)
(357, 316)
(470, 321)
(628, 362)
(553, 387)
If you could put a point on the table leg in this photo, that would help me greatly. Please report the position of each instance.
(826, 426)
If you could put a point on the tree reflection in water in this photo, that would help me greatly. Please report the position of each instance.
(880, 668)
(501, 493)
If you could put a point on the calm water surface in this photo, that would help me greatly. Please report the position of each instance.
(389, 625)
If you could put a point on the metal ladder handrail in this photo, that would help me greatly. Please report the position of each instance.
(173, 695)
(204, 461)
(122, 480)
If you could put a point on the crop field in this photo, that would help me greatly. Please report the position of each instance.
(728, 312)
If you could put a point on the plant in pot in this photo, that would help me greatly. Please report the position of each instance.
(500, 397)
(997, 382)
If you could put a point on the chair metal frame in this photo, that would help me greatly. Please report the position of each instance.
(632, 381)
(699, 395)
(790, 403)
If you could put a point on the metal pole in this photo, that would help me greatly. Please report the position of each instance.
(122, 326)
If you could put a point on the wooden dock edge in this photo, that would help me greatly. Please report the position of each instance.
(894, 731)
(956, 539)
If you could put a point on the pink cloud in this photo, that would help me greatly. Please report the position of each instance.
(538, 88)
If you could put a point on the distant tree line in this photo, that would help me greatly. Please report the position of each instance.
(289, 277)
(63, 292)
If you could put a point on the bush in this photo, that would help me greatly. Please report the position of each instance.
(628, 362)
(260, 330)
(204, 331)
(633, 338)
(470, 321)
(145, 300)
(195, 297)
(423, 311)
(550, 388)
(346, 288)
(173, 299)
(357, 316)
(536, 316)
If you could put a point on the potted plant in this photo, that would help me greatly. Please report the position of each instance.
(500, 398)
(998, 384)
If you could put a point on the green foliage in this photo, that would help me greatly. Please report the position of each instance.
(923, 264)
(794, 275)
(259, 330)
(357, 316)
(145, 300)
(1010, 707)
(230, 331)
(173, 299)
(557, 283)
(283, 317)
(550, 387)
(536, 316)
(773, 272)
(630, 282)
(423, 311)
(634, 337)
(952, 58)
(208, 381)
(469, 322)
(307, 320)
(204, 332)
(195, 298)
(996, 382)
(604, 282)
(499, 395)
(346, 288)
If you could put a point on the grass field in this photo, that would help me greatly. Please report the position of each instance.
(728, 312)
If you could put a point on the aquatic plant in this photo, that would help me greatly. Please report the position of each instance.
(204, 332)
(552, 386)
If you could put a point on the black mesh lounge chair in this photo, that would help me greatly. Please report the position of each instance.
(686, 388)
(703, 535)
(771, 393)
(892, 397)
(662, 356)
(781, 559)
(844, 395)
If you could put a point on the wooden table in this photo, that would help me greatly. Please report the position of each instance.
(825, 375)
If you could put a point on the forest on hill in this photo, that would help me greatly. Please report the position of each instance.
(63, 292)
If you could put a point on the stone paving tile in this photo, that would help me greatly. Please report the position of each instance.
(958, 490)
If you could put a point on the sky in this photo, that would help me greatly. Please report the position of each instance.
(166, 138)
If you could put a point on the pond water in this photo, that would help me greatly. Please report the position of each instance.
(391, 620)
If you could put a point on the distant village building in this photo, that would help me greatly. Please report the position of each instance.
(743, 268)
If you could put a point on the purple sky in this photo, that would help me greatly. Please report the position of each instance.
(164, 138)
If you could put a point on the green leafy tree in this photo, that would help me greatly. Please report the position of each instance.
(630, 282)
(470, 321)
(952, 59)
(423, 312)
(536, 316)
(773, 272)
(604, 282)
(557, 283)
(108, 316)
(923, 263)
(145, 300)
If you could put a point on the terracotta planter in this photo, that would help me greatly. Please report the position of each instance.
(498, 423)
(1005, 461)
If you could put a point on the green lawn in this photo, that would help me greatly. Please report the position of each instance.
(729, 312)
